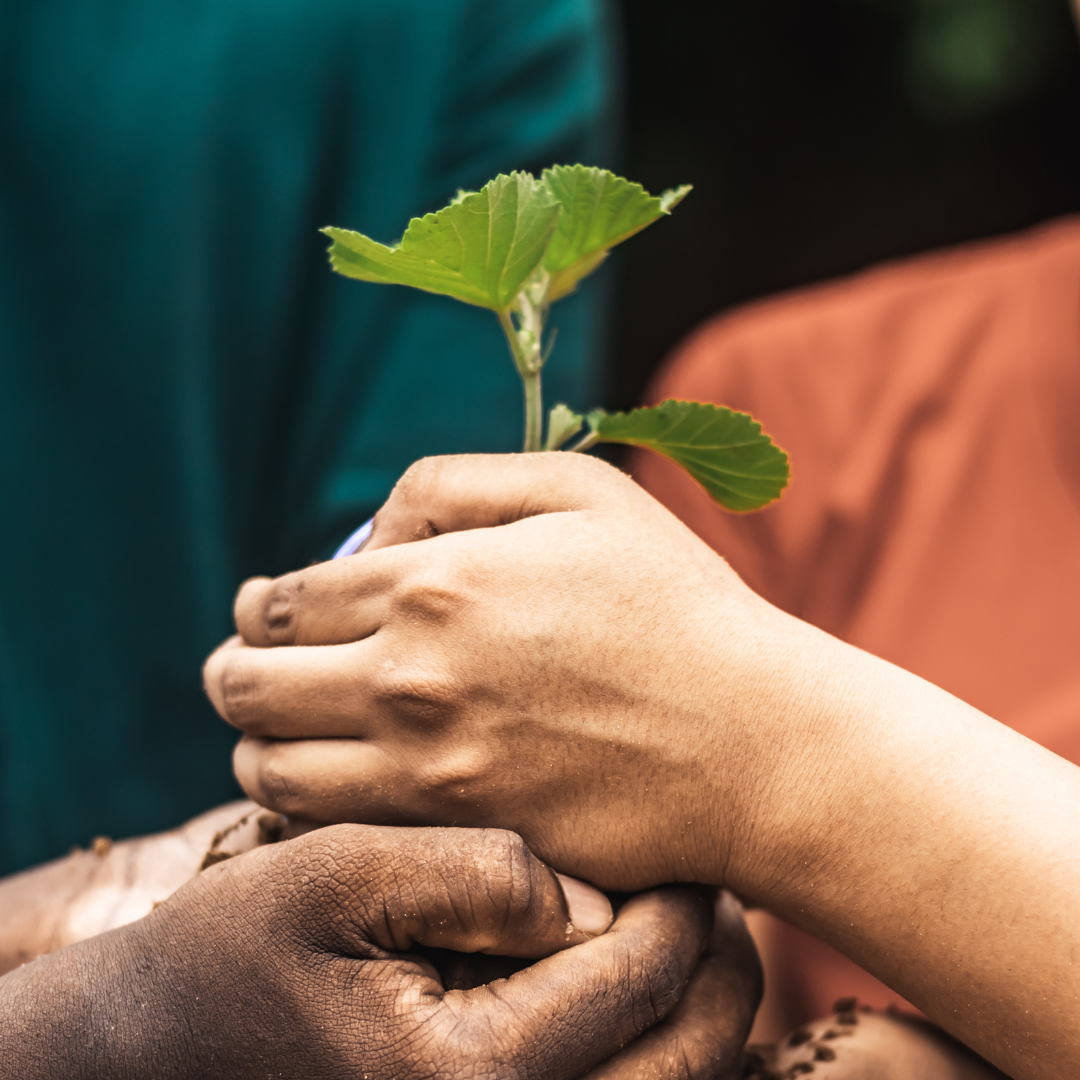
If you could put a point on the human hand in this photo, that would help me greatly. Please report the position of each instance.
(704, 1035)
(293, 960)
(589, 674)
(112, 884)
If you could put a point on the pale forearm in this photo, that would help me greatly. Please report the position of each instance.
(35, 908)
(938, 849)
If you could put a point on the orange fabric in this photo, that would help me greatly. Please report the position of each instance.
(931, 409)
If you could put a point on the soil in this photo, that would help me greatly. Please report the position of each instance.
(856, 1043)
(269, 830)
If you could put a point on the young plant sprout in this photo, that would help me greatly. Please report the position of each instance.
(516, 247)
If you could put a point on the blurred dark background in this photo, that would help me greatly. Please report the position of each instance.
(825, 135)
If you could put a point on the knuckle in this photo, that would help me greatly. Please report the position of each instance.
(505, 866)
(505, 858)
(240, 694)
(456, 775)
(434, 595)
(591, 481)
(422, 473)
(684, 1059)
(281, 610)
(279, 787)
(478, 1041)
(418, 692)
(575, 469)
(654, 982)
(418, 487)
(664, 982)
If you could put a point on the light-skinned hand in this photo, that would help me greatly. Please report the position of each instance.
(590, 674)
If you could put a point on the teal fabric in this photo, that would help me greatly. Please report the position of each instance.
(188, 396)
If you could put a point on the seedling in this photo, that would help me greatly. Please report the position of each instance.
(516, 247)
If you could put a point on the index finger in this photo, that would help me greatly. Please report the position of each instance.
(476, 491)
(345, 599)
(470, 890)
(330, 603)
(565, 1014)
(704, 1036)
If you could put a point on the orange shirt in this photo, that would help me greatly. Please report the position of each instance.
(931, 408)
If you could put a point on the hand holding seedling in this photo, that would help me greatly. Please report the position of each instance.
(291, 960)
(500, 675)
(531, 641)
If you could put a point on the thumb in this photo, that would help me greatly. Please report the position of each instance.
(476, 491)
(471, 890)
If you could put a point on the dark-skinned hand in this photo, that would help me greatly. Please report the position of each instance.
(294, 961)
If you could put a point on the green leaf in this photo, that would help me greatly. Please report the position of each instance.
(725, 451)
(563, 422)
(599, 210)
(480, 249)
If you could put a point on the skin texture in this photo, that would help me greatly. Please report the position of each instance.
(705, 1033)
(112, 884)
(675, 727)
(320, 928)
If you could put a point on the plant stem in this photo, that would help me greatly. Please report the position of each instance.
(529, 369)
(534, 411)
(590, 440)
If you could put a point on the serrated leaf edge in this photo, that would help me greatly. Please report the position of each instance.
(596, 418)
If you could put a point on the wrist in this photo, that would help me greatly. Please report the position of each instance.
(928, 843)
(47, 1020)
(87, 1011)
(795, 726)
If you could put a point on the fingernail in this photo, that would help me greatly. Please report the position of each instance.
(590, 910)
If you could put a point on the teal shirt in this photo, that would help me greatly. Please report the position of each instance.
(188, 395)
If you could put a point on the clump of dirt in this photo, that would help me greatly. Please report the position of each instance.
(212, 858)
(269, 830)
(760, 1061)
